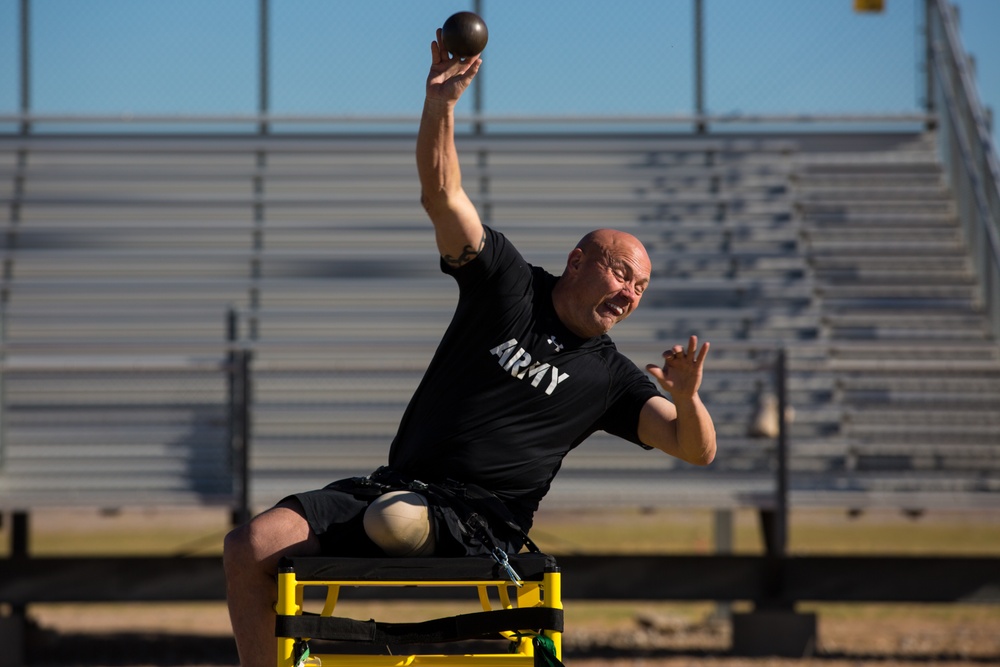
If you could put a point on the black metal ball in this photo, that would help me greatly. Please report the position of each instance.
(464, 34)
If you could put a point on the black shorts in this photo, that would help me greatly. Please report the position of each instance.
(336, 517)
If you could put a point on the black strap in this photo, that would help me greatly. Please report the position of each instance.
(469, 500)
(496, 509)
(480, 625)
(472, 501)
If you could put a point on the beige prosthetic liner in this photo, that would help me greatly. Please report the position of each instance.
(400, 523)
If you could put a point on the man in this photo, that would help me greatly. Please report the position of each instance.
(524, 373)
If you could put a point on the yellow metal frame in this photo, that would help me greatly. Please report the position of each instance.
(544, 593)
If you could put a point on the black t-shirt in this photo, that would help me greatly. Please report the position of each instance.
(510, 390)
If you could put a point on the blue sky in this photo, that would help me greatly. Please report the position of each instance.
(544, 56)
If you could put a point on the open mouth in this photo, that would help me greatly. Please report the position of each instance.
(614, 309)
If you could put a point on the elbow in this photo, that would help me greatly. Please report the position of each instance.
(706, 457)
(702, 455)
(705, 454)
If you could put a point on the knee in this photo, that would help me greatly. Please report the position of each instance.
(248, 545)
(261, 543)
(237, 548)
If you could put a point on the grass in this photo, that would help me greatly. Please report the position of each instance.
(619, 531)
(822, 531)
(140, 532)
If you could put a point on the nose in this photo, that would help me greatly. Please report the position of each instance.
(629, 290)
(628, 299)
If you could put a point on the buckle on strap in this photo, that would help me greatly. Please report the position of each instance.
(500, 556)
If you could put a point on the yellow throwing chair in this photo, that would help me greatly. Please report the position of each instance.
(530, 621)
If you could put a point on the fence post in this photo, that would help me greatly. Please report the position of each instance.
(263, 65)
(4, 298)
(241, 439)
(774, 627)
(25, 44)
(477, 86)
(14, 623)
(240, 396)
(929, 103)
(781, 502)
(699, 68)
(774, 522)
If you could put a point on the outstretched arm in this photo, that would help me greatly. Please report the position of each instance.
(683, 428)
(457, 226)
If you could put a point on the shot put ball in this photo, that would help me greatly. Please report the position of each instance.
(464, 34)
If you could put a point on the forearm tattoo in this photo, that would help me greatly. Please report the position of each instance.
(468, 254)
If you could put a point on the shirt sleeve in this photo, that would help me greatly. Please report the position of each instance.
(495, 248)
(622, 416)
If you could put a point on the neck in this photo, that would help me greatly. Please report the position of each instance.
(563, 309)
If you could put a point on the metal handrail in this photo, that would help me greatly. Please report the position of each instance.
(480, 118)
(972, 151)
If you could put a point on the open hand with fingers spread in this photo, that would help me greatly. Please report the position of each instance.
(682, 369)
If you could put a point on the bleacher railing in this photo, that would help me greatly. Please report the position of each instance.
(967, 151)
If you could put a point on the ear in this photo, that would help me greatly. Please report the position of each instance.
(575, 260)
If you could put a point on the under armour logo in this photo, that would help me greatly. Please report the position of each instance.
(552, 341)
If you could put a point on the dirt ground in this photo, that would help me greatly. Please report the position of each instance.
(607, 634)
(170, 635)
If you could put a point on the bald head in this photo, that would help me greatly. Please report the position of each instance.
(604, 278)
(615, 242)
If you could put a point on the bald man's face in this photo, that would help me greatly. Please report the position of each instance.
(606, 279)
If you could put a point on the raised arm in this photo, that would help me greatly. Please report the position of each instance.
(683, 428)
(457, 226)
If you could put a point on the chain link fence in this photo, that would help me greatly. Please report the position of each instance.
(635, 58)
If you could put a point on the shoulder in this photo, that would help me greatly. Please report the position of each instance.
(498, 259)
(494, 245)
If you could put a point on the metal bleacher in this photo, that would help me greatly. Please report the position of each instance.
(124, 254)
(915, 365)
